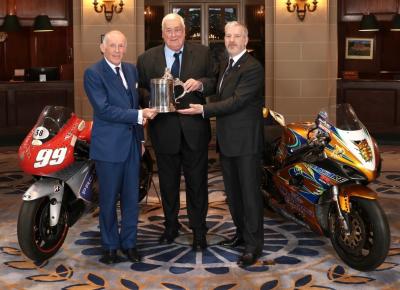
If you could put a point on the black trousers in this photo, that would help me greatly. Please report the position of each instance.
(194, 165)
(242, 179)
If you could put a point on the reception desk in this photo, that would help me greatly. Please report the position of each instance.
(22, 102)
(377, 104)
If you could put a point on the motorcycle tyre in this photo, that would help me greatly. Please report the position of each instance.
(30, 214)
(377, 222)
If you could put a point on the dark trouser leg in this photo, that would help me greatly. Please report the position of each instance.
(232, 190)
(129, 200)
(109, 177)
(195, 168)
(250, 181)
(242, 184)
(169, 173)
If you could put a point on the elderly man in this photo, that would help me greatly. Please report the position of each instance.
(111, 86)
(181, 142)
(239, 136)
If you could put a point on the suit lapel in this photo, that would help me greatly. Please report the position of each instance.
(233, 72)
(159, 61)
(112, 77)
(187, 61)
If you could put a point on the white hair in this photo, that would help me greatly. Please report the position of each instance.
(236, 23)
(172, 16)
(107, 36)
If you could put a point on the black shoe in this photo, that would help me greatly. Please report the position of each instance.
(168, 236)
(199, 240)
(132, 255)
(110, 257)
(248, 259)
(232, 243)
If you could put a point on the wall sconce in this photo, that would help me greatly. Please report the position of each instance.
(147, 11)
(109, 7)
(301, 7)
(260, 11)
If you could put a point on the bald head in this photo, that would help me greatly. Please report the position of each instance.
(114, 46)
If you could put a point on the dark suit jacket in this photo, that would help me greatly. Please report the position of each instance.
(238, 108)
(115, 125)
(166, 128)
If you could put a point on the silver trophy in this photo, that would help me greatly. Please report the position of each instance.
(162, 95)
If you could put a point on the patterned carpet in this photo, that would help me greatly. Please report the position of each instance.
(293, 257)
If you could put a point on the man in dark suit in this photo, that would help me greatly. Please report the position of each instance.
(239, 138)
(117, 132)
(181, 142)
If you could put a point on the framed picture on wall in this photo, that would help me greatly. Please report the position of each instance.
(359, 48)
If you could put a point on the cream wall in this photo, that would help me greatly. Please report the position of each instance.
(301, 59)
(88, 28)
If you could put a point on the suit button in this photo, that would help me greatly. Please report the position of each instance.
(130, 128)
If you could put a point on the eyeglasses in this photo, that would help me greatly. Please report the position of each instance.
(171, 31)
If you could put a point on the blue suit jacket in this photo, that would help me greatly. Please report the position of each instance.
(115, 126)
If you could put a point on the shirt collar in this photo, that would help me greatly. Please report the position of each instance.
(113, 66)
(169, 52)
(238, 56)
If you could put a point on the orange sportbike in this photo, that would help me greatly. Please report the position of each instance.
(317, 174)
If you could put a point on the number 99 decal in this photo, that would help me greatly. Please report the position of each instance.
(50, 157)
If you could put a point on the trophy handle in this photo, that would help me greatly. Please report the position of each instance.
(178, 82)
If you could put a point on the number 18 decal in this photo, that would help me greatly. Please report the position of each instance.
(50, 157)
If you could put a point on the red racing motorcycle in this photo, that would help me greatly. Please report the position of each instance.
(56, 153)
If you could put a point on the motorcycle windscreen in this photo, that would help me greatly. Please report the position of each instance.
(49, 123)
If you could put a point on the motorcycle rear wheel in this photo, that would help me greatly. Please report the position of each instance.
(368, 243)
(37, 239)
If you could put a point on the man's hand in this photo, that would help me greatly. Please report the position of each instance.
(149, 113)
(192, 85)
(193, 110)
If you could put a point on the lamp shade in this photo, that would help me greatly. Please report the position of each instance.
(396, 23)
(10, 24)
(42, 24)
(368, 23)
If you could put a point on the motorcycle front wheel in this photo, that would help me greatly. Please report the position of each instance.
(367, 245)
(38, 240)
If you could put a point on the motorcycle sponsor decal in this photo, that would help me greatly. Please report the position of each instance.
(86, 189)
(365, 150)
(50, 157)
(40, 133)
(57, 188)
(328, 174)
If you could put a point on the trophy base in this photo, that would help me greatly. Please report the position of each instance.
(165, 109)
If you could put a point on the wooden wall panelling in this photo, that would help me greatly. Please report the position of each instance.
(49, 48)
(376, 103)
(3, 9)
(31, 103)
(375, 108)
(57, 10)
(352, 10)
(17, 49)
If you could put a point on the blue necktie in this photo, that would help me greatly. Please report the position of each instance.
(176, 65)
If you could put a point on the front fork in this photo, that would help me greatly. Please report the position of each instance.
(54, 190)
(341, 202)
(56, 203)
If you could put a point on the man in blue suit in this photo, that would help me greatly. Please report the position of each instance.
(111, 86)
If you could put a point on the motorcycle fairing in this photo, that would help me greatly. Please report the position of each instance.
(81, 182)
(42, 187)
(316, 180)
